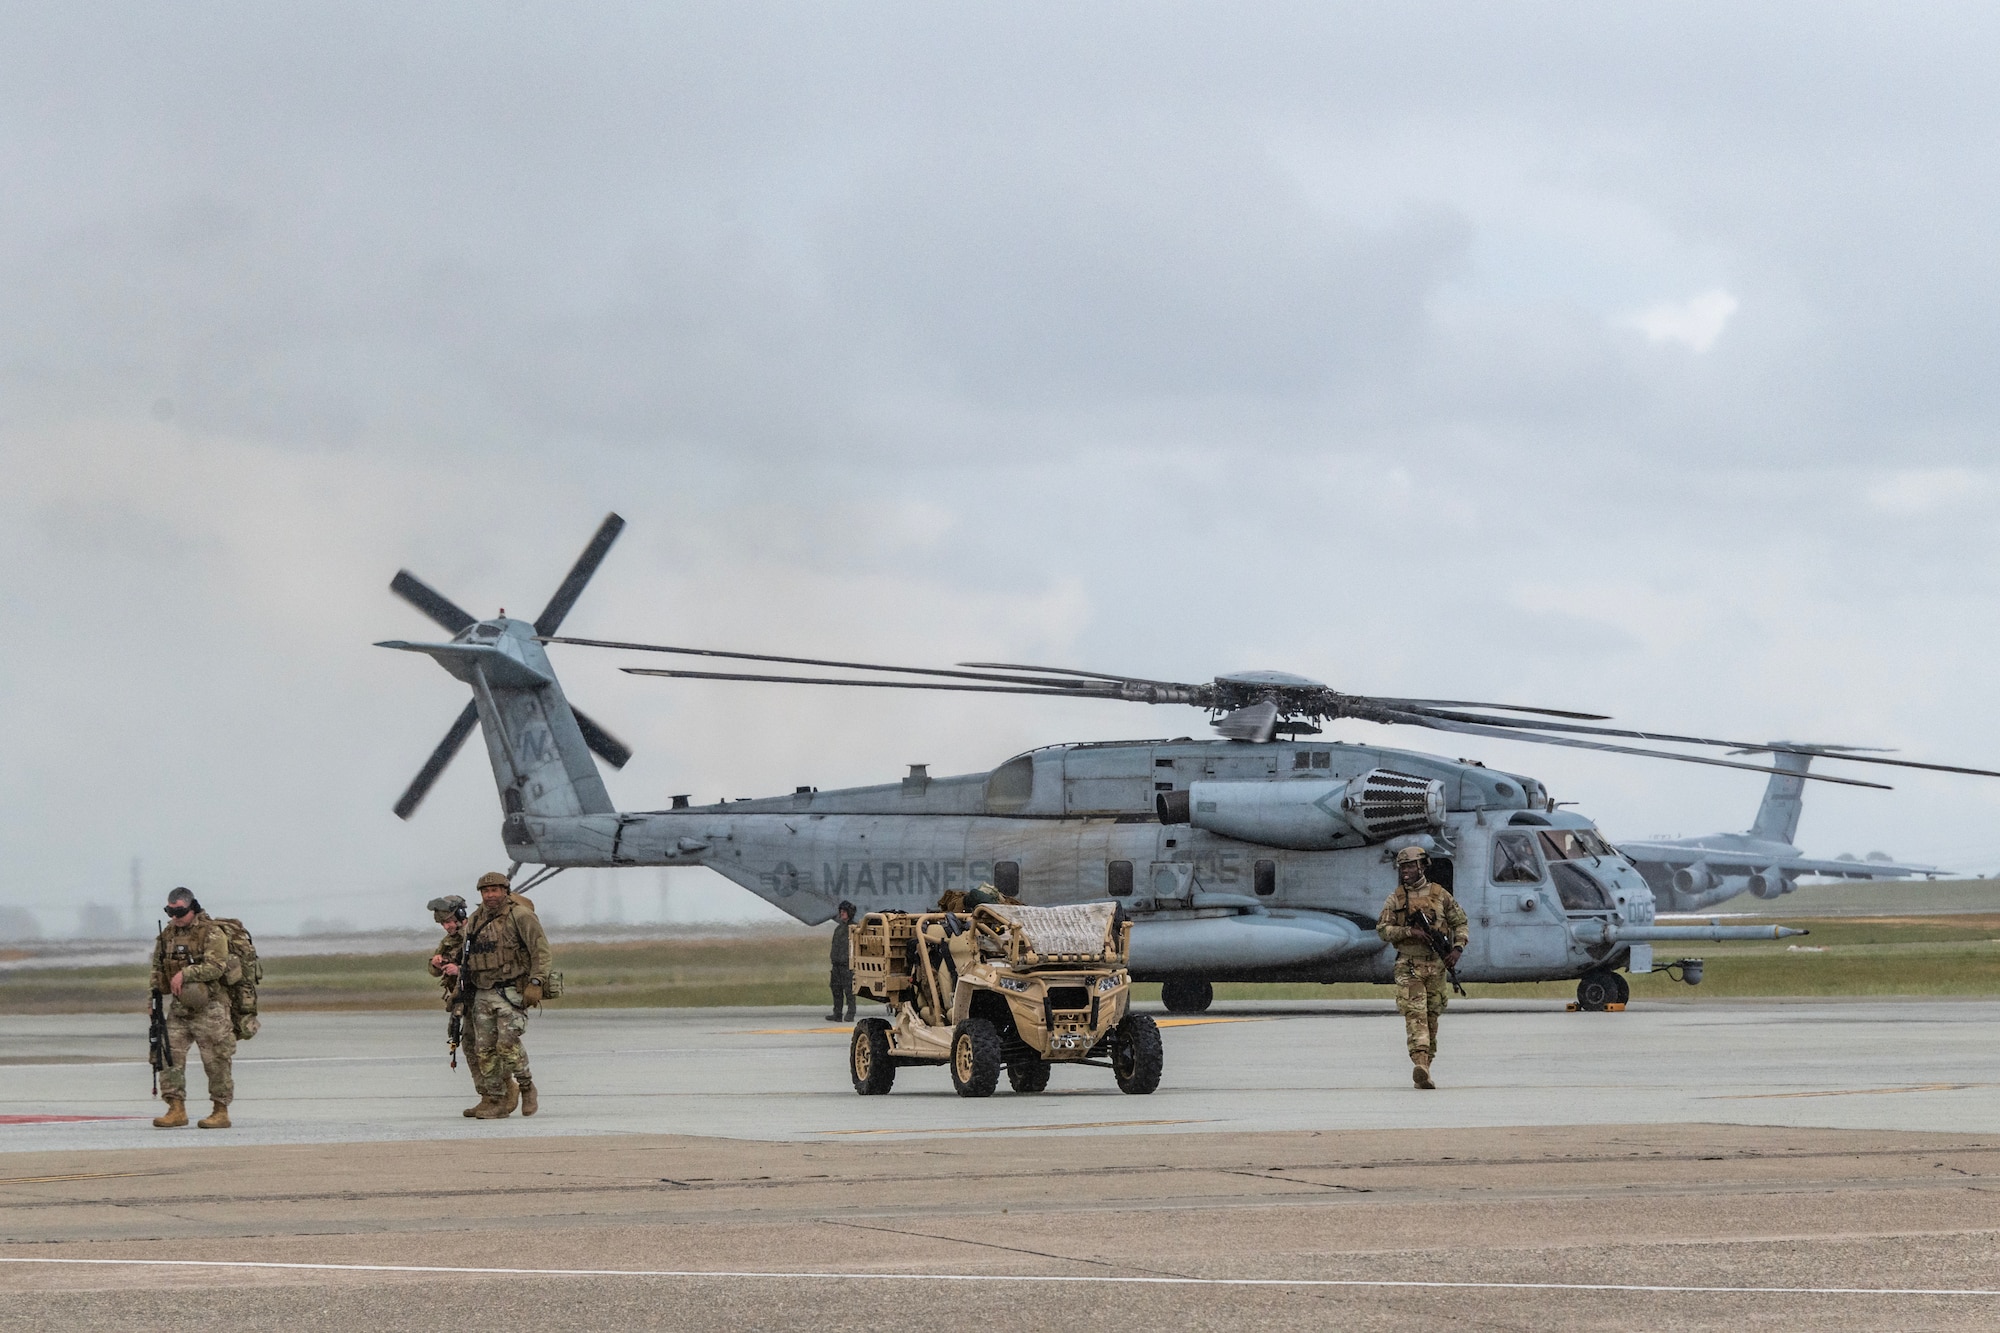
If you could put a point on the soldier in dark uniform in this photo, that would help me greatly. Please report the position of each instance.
(1420, 973)
(842, 979)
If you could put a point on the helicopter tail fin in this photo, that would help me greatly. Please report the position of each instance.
(538, 745)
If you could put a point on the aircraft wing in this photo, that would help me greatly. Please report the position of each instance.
(1728, 862)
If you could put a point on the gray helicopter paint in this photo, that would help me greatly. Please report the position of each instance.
(1064, 815)
(1695, 874)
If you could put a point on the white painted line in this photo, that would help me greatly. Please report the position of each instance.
(1079, 1280)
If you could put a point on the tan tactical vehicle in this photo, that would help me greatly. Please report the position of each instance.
(1001, 986)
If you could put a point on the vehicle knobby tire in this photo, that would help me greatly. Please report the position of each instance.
(1137, 1057)
(975, 1058)
(1028, 1075)
(868, 1060)
(1596, 990)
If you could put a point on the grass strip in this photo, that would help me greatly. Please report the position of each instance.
(1913, 956)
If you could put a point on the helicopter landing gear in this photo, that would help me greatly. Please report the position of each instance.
(1598, 990)
(1186, 997)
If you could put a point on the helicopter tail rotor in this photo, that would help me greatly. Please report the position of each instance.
(515, 694)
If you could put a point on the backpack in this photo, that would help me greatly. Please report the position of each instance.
(244, 974)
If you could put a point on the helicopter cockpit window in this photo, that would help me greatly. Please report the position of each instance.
(1578, 891)
(1573, 844)
(1514, 859)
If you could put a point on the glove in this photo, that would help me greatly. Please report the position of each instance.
(531, 994)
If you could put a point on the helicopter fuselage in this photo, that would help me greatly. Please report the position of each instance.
(1072, 823)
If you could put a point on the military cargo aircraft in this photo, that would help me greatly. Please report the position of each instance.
(1262, 855)
(1695, 874)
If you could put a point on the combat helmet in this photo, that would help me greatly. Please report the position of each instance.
(1412, 855)
(450, 907)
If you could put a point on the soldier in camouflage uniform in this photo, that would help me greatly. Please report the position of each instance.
(1420, 973)
(506, 961)
(449, 912)
(190, 959)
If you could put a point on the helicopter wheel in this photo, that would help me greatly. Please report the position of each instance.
(1186, 997)
(1624, 989)
(1597, 990)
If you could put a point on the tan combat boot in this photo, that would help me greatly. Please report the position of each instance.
(529, 1102)
(1420, 1069)
(216, 1119)
(489, 1108)
(176, 1116)
(513, 1098)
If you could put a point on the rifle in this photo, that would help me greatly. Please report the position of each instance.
(1441, 945)
(460, 998)
(159, 1050)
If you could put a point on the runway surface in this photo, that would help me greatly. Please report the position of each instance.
(781, 1074)
(1688, 1166)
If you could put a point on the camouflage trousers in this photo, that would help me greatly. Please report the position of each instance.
(213, 1030)
(1420, 996)
(841, 982)
(495, 1049)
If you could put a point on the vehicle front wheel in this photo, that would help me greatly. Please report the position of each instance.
(975, 1058)
(1186, 997)
(1596, 990)
(1029, 1075)
(868, 1058)
(1137, 1057)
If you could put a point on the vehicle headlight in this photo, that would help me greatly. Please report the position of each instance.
(1109, 983)
(1010, 983)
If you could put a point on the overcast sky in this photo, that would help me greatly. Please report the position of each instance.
(1633, 358)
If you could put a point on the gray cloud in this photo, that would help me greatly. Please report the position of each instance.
(1146, 337)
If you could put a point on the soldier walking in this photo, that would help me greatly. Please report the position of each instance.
(506, 963)
(449, 912)
(842, 978)
(191, 963)
(1420, 972)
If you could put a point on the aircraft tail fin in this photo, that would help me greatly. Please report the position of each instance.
(535, 741)
(1778, 817)
(539, 745)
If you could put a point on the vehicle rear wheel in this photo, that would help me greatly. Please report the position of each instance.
(1596, 990)
(1029, 1075)
(975, 1058)
(868, 1058)
(1186, 997)
(1137, 1057)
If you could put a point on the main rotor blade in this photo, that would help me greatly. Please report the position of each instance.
(1069, 671)
(607, 746)
(1437, 723)
(1766, 747)
(430, 601)
(420, 785)
(1078, 693)
(1509, 708)
(551, 618)
(794, 661)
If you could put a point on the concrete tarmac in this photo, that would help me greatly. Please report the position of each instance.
(1687, 1166)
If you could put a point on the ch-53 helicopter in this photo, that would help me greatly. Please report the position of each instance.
(1259, 856)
